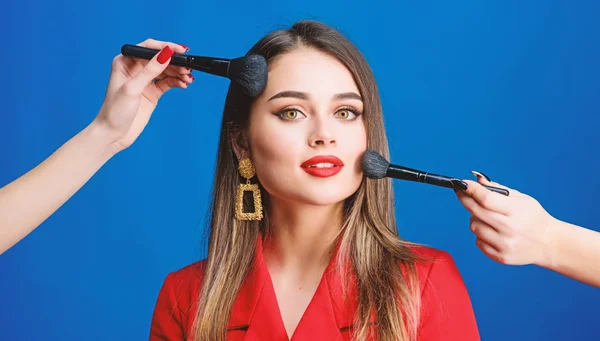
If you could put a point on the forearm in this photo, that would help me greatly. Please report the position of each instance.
(29, 200)
(576, 253)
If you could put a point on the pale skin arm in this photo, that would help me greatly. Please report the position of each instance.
(29, 200)
(576, 253)
(131, 97)
(517, 230)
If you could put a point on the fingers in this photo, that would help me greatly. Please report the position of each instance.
(188, 78)
(493, 218)
(185, 76)
(486, 233)
(180, 69)
(131, 66)
(169, 83)
(151, 70)
(159, 45)
(485, 180)
(487, 199)
(489, 250)
(172, 70)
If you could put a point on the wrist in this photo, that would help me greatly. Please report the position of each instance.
(103, 137)
(551, 246)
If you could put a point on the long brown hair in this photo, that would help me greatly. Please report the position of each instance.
(369, 235)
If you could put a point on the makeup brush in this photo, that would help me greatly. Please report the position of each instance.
(250, 72)
(376, 166)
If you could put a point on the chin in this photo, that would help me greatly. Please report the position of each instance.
(326, 195)
(312, 190)
(323, 200)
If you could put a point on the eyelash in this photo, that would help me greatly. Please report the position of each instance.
(347, 108)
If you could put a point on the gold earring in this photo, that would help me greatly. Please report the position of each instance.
(247, 171)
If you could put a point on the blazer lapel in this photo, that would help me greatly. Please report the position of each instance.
(322, 319)
(318, 321)
(344, 308)
(255, 309)
(247, 297)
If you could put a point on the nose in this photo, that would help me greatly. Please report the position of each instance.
(322, 134)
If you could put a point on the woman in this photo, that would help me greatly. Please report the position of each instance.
(319, 230)
(317, 254)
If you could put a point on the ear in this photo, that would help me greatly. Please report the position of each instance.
(239, 143)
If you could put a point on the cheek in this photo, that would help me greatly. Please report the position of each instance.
(356, 144)
(273, 150)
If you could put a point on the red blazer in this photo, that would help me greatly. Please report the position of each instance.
(446, 312)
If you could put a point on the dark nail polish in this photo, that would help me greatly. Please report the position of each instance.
(476, 173)
(460, 184)
(486, 177)
(464, 185)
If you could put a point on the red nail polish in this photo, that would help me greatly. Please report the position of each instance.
(192, 77)
(185, 47)
(164, 55)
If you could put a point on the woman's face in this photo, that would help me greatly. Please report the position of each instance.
(306, 130)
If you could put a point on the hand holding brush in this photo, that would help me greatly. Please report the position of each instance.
(130, 99)
(250, 72)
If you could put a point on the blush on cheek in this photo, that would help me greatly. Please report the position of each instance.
(273, 144)
(272, 163)
(358, 146)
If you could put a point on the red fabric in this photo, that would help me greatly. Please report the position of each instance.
(446, 312)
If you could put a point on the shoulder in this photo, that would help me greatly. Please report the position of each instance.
(446, 308)
(176, 302)
(434, 264)
(184, 285)
(190, 275)
(436, 270)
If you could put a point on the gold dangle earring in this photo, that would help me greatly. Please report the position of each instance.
(247, 171)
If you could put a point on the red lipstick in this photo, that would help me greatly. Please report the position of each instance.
(322, 166)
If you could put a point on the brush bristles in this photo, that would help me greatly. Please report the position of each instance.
(374, 165)
(250, 72)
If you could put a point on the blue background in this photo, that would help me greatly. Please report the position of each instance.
(509, 88)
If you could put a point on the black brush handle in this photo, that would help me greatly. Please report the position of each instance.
(214, 66)
(148, 53)
(411, 174)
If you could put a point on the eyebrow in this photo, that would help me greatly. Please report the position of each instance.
(304, 96)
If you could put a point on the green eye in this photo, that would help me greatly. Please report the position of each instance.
(346, 114)
(343, 114)
(290, 114)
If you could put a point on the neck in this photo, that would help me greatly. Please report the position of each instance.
(301, 236)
